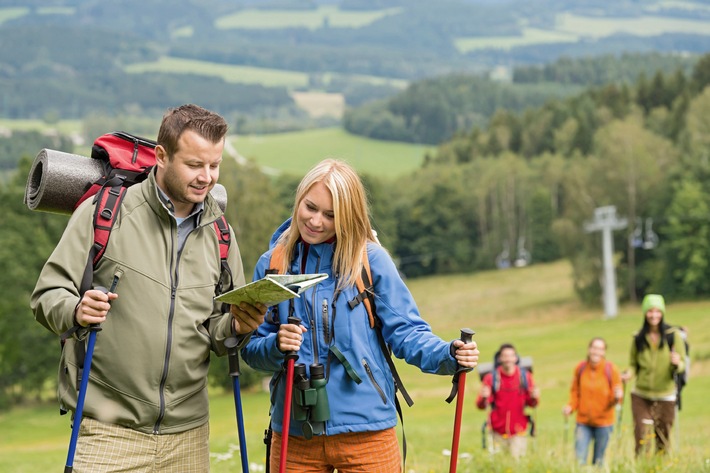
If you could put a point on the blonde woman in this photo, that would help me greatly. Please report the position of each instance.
(329, 232)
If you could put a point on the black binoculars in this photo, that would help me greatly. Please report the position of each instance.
(310, 399)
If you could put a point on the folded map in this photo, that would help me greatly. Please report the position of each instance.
(272, 289)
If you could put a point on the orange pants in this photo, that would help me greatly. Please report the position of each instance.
(352, 452)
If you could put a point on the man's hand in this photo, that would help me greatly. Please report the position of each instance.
(535, 393)
(485, 391)
(93, 307)
(246, 317)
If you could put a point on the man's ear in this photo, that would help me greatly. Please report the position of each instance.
(161, 156)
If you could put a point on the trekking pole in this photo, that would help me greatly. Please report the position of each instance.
(565, 432)
(233, 354)
(79, 412)
(620, 408)
(459, 385)
(290, 359)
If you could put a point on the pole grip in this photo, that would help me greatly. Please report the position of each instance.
(467, 335)
(293, 355)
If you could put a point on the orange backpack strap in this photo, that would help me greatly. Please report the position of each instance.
(276, 261)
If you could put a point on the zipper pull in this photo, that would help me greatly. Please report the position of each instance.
(326, 327)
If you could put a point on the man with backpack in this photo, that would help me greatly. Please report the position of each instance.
(508, 389)
(146, 407)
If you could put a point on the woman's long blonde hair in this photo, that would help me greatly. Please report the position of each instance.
(352, 218)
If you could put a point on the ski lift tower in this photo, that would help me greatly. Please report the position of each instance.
(605, 220)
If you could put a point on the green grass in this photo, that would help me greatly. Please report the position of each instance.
(229, 73)
(529, 36)
(11, 13)
(532, 307)
(571, 28)
(296, 152)
(248, 74)
(311, 19)
(63, 126)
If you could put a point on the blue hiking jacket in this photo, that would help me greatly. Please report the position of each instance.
(369, 405)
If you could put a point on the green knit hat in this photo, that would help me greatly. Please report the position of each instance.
(652, 301)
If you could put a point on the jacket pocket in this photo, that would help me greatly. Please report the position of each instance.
(371, 375)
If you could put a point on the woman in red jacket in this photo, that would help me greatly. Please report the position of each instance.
(508, 390)
(596, 390)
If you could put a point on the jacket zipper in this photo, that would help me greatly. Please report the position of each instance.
(326, 327)
(166, 363)
(371, 375)
(312, 319)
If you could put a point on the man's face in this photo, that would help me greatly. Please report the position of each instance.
(191, 173)
(507, 358)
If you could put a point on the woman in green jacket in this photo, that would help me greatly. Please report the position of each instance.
(657, 354)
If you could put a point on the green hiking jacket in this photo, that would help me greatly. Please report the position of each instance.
(150, 362)
(653, 368)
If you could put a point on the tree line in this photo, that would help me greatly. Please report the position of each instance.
(431, 111)
(515, 191)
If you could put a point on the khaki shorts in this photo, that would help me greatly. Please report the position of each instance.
(104, 448)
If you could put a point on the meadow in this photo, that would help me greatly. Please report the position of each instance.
(293, 152)
(534, 308)
(324, 15)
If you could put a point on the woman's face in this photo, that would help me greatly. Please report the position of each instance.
(597, 351)
(654, 316)
(315, 216)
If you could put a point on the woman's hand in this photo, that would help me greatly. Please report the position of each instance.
(290, 337)
(466, 353)
(675, 358)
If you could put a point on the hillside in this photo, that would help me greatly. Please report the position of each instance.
(244, 58)
(532, 307)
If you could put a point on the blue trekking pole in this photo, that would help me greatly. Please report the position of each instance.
(79, 412)
(233, 354)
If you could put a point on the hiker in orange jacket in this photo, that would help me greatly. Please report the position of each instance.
(596, 389)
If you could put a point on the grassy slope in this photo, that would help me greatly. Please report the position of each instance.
(298, 151)
(532, 307)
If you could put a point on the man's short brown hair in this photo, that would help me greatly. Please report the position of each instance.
(207, 124)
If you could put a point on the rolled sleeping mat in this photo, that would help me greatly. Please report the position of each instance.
(57, 181)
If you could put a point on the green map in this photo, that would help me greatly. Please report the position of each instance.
(272, 289)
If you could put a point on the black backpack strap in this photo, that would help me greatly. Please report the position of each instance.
(381, 339)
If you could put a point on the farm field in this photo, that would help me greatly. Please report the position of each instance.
(297, 151)
(62, 126)
(532, 307)
(324, 15)
(248, 74)
(570, 28)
